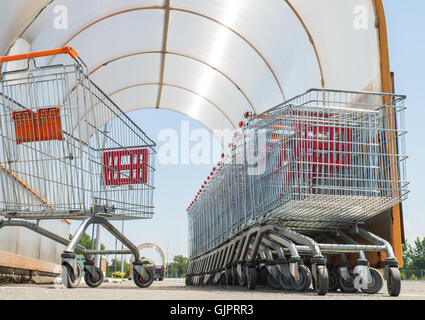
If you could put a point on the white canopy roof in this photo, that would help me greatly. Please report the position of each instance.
(212, 60)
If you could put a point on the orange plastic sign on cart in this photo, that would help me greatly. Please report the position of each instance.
(43, 125)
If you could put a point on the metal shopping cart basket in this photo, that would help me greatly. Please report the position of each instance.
(326, 162)
(69, 152)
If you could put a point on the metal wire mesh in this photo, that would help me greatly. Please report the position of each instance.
(68, 150)
(332, 159)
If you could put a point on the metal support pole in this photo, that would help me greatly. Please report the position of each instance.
(122, 248)
(98, 239)
(78, 235)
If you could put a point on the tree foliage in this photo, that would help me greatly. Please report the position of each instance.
(86, 242)
(414, 255)
(178, 268)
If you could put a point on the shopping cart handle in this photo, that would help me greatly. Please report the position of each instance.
(25, 56)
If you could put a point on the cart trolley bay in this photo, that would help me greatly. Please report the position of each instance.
(69, 152)
(331, 161)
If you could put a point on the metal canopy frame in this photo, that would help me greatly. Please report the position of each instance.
(299, 14)
(167, 8)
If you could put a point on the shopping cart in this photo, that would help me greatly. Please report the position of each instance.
(327, 161)
(69, 152)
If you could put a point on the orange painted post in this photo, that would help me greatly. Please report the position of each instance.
(386, 81)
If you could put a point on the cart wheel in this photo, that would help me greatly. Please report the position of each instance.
(242, 280)
(187, 281)
(376, 283)
(211, 279)
(321, 283)
(251, 278)
(272, 282)
(333, 280)
(229, 277)
(286, 284)
(394, 282)
(347, 286)
(222, 281)
(235, 276)
(263, 276)
(68, 278)
(304, 282)
(140, 282)
(94, 283)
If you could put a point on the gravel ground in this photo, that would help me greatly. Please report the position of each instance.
(175, 290)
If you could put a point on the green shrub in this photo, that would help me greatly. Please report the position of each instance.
(413, 277)
(118, 275)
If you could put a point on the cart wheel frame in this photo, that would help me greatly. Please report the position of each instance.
(393, 281)
(93, 283)
(140, 282)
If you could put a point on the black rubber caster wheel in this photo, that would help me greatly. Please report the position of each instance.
(304, 281)
(210, 280)
(229, 277)
(242, 280)
(200, 280)
(235, 276)
(286, 284)
(222, 280)
(188, 281)
(394, 282)
(333, 280)
(263, 276)
(273, 282)
(69, 279)
(347, 286)
(140, 281)
(376, 283)
(321, 283)
(93, 282)
(251, 278)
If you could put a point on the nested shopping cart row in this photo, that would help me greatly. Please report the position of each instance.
(320, 164)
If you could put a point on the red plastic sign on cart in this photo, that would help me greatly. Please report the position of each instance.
(124, 167)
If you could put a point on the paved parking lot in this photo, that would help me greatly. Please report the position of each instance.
(176, 290)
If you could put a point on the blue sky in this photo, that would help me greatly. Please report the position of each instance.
(406, 30)
(177, 184)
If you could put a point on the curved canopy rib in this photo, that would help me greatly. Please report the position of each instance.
(178, 87)
(182, 56)
(186, 11)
